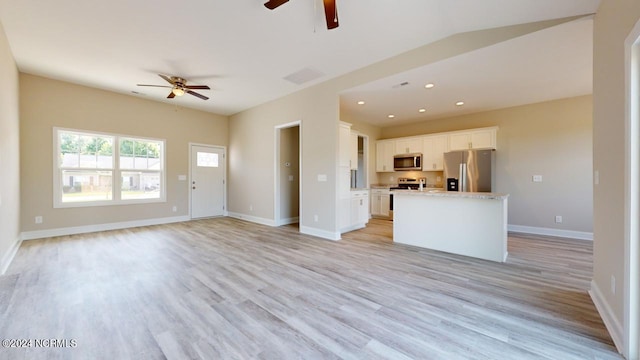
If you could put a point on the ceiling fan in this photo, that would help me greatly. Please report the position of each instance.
(330, 11)
(179, 87)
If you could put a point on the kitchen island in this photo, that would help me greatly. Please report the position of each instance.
(465, 223)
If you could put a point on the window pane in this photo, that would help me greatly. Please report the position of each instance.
(140, 185)
(79, 185)
(140, 154)
(85, 151)
(206, 159)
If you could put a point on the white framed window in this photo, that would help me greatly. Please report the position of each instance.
(95, 169)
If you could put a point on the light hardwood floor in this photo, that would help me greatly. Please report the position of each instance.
(228, 289)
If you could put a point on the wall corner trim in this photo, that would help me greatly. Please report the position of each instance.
(571, 234)
(39, 234)
(8, 257)
(608, 317)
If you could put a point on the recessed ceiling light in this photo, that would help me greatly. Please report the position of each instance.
(460, 103)
(429, 86)
(422, 110)
(391, 116)
(360, 102)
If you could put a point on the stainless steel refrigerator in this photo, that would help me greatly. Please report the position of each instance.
(470, 170)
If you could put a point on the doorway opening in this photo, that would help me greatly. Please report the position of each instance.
(632, 197)
(288, 170)
(207, 184)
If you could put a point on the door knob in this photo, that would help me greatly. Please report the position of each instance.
(194, 188)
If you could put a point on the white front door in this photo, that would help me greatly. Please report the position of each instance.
(207, 181)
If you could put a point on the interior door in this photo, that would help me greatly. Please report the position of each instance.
(207, 181)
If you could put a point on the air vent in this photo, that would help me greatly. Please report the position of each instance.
(405, 83)
(302, 76)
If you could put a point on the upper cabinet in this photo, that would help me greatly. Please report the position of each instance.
(433, 147)
(344, 138)
(408, 145)
(473, 139)
(353, 151)
(385, 149)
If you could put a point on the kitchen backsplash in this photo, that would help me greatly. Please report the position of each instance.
(434, 178)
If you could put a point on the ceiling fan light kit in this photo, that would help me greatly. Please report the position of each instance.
(179, 87)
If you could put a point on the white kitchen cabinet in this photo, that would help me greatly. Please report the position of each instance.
(433, 147)
(385, 149)
(353, 151)
(380, 202)
(358, 211)
(473, 139)
(344, 138)
(359, 208)
(408, 145)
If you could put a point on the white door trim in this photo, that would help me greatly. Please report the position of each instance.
(631, 347)
(278, 221)
(224, 176)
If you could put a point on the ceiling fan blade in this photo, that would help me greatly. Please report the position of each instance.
(197, 95)
(162, 86)
(200, 87)
(331, 14)
(272, 4)
(166, 78)
(171, 95)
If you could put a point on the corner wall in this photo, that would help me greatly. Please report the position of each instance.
(612, 24)
(47, 103)
(9, 155)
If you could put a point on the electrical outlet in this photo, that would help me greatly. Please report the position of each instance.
(596, 177)
(315, 218)
(558, 219)
(613, 284)
(250, 207)
(174, 209)
(38, 219)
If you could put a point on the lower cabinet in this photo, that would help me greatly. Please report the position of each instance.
(359, 211)
(380, 202)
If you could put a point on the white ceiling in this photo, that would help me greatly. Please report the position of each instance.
(549, 64)
(240, 48)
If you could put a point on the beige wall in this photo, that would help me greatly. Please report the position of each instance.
(552, 139)
(9, 154)
(613, 22)
(252, 140)
(46, 103)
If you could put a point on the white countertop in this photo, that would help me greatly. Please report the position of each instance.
(454, 194)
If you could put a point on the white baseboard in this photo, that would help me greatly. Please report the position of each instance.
(39, 234)
(254, 219)
(8, 257)
(607, 315)
(580, 235)
(329, 235)
(288, 221)
(303, 229)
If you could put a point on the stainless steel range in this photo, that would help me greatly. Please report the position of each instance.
(405, 184)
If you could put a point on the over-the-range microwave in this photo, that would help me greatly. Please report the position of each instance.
(406, 162)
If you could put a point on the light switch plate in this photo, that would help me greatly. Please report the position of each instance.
(182, 177)
(322, 177)
(537, 178)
